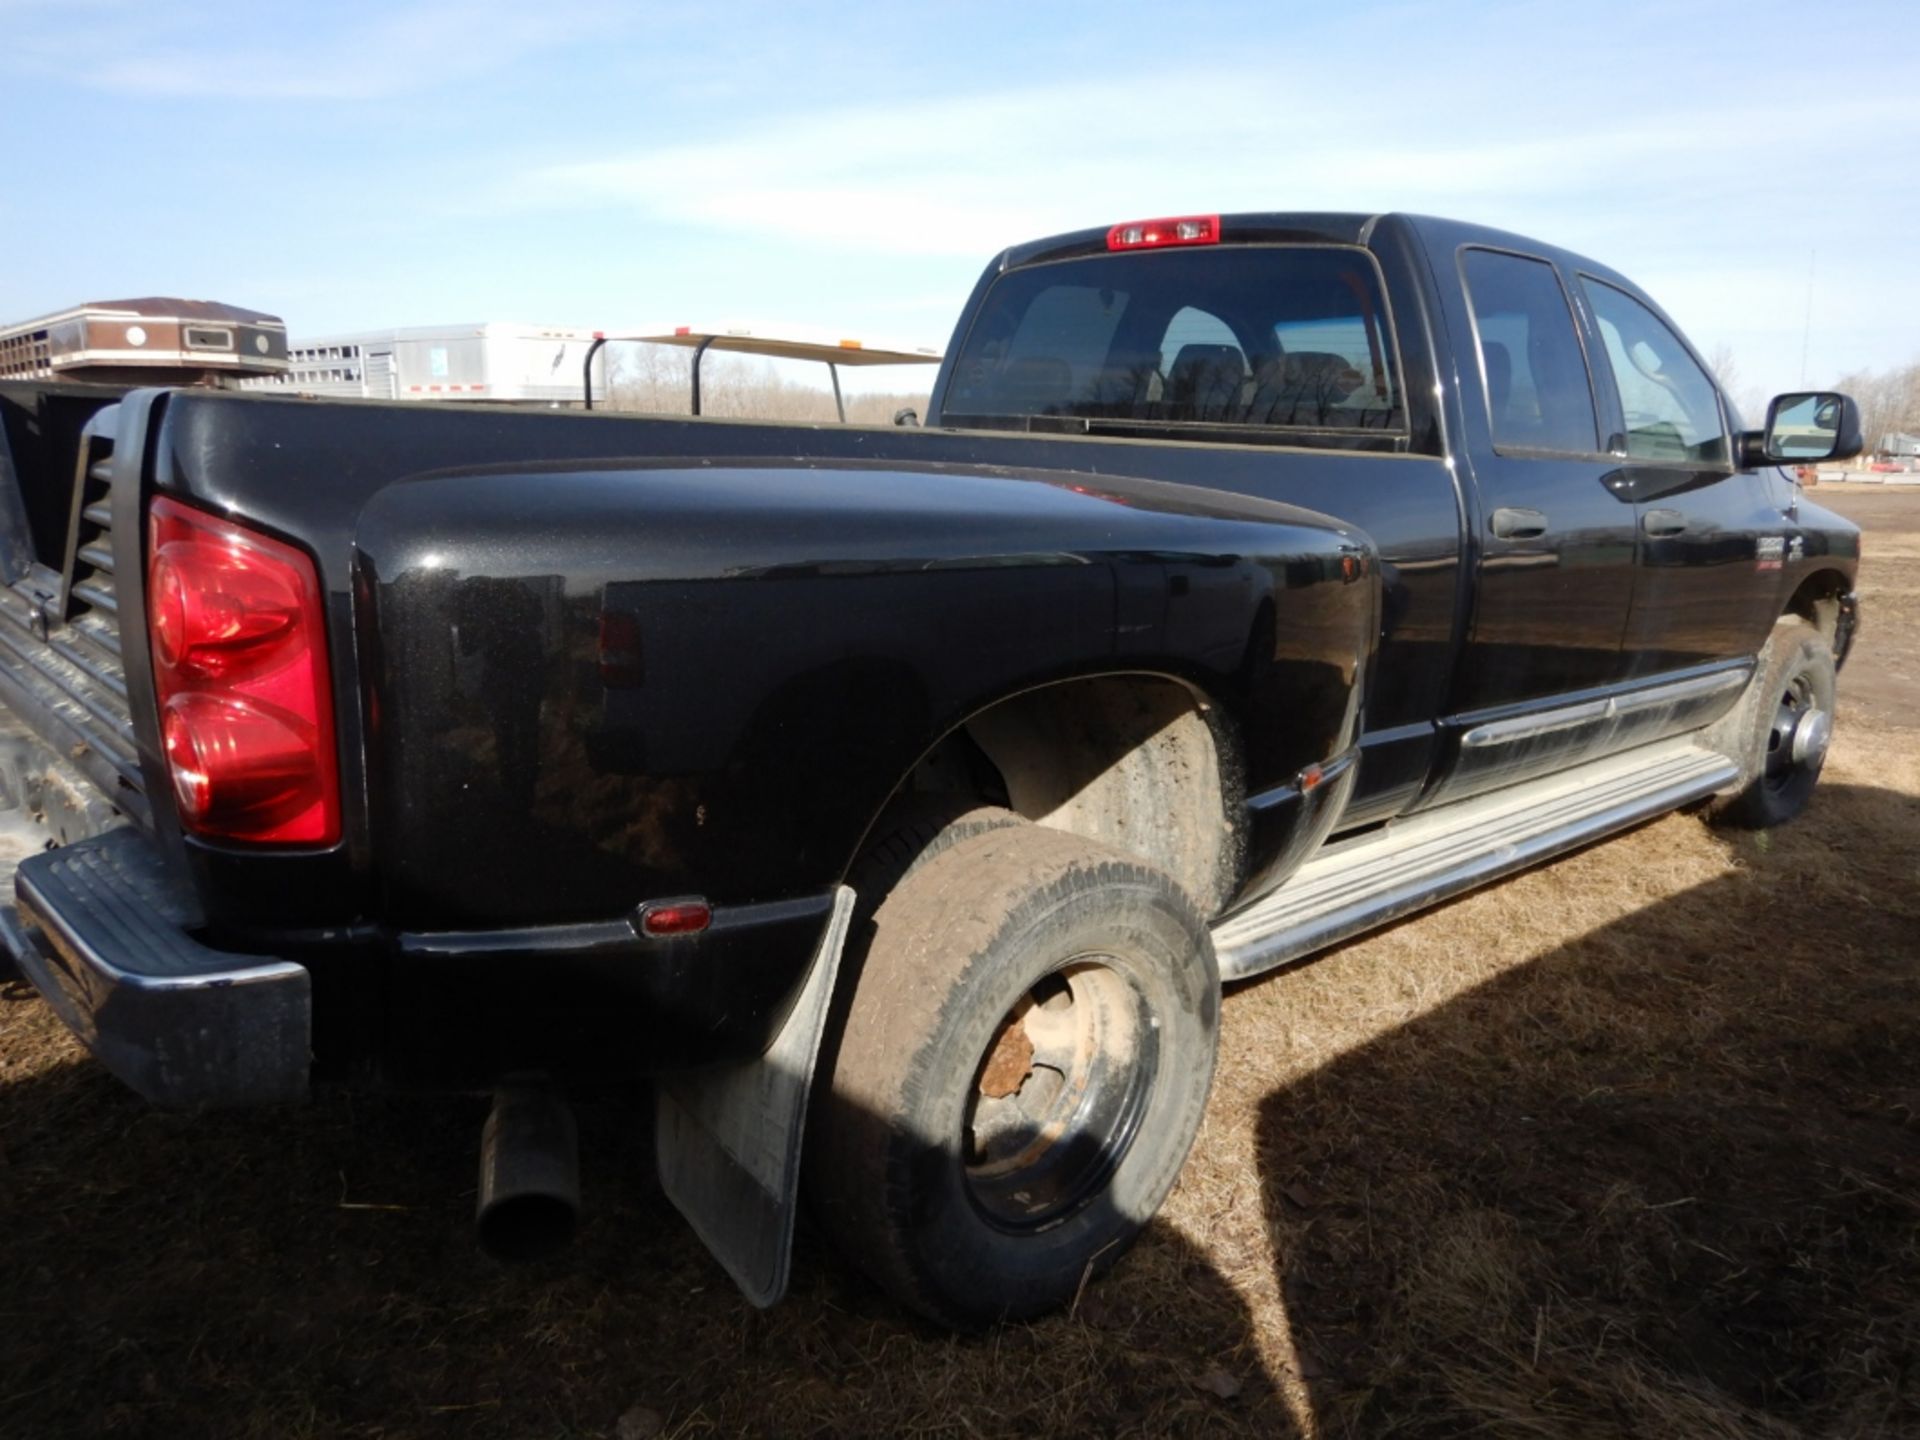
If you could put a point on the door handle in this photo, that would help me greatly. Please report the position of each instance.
(1511, 523)
(1663, 522)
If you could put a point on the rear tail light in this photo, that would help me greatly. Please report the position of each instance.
(1179, 230)
(622, 661)
(240, 673)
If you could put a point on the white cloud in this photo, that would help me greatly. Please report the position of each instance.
(208, 54)
(965, 176)
(1698, 197)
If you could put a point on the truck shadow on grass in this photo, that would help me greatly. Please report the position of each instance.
(1662, 1181)
(1659, 1181)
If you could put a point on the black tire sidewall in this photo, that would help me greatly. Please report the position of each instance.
(976, 1270)
(1796, 649)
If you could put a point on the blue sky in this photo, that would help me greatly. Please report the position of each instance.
(852, 166)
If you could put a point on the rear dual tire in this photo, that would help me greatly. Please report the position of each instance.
(1020, 1070)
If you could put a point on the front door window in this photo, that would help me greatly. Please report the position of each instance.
(1672, 410)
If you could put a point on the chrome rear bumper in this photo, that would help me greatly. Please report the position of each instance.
(102, 934)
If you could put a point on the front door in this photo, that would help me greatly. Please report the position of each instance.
(1711, 535)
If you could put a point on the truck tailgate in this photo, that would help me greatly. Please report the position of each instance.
(60, 654)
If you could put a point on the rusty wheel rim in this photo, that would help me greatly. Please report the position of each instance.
(1058, 1094)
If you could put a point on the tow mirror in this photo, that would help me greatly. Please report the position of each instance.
(1805, 429)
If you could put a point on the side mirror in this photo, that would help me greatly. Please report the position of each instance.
(1805, 429)
(908, 416)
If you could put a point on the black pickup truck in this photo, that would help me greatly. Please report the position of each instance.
(1254, 580)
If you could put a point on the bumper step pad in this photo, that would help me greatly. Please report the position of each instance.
(102, 933)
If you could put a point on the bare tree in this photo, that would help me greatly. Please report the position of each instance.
(1889, 401)
(1749, 400)
(1725, 368)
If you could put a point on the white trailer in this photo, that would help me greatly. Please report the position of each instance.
(491, 362)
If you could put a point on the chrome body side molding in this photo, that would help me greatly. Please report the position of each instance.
(1565, 717)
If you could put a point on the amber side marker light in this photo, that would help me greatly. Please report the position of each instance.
(1176, 230)
(238, 631)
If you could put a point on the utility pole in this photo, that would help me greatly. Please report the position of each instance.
(1806, 330)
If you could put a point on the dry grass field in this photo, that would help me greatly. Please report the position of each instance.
(1627, 1146)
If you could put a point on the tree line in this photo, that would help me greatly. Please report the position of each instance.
(1889, 401)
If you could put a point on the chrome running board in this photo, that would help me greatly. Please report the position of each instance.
(1354, 885)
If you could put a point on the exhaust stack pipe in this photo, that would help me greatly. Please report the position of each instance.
(529, 1200)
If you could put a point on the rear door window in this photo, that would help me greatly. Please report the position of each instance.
(1539, 395)
(1672, 410)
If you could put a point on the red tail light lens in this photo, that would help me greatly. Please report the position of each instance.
(622, 662)
(240, 672)
(1179, 230)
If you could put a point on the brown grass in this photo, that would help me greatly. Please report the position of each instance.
(1629, 1145)
(1650, 1161)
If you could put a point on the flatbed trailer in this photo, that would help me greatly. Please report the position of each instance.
(831, 353)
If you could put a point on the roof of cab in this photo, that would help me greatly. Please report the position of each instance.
(1307, 227)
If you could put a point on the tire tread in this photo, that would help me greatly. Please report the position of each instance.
(957, 902)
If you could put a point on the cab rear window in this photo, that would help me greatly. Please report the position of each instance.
(1281, 338)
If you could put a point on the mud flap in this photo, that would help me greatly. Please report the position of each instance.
(728, 1139)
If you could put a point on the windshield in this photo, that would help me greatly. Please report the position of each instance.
(1269, 338)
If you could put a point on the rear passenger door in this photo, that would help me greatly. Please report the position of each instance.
(1554, 538)
(1711, 536)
